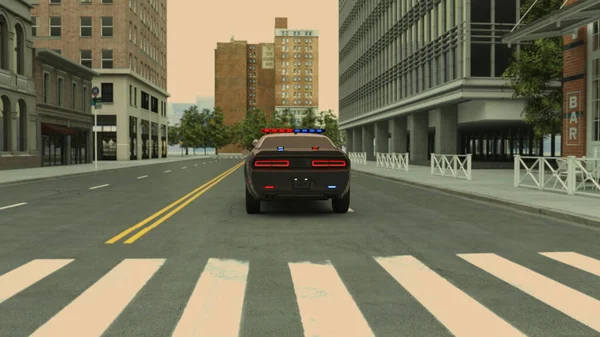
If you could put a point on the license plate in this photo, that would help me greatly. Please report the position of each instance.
(301, 183)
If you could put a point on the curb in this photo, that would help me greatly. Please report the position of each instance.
(595, 222)
(70, 175)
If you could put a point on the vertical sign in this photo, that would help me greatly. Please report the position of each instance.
(268, 56)
(573, 128)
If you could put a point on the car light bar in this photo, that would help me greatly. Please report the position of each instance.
(288, 130)
(272, 163)
(328, 163)
(315, 148)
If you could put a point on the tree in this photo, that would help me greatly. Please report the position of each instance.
(284, 118)
(535, 72)
(192, 129)
(329, 122)
(248, 130)
(217, 132)
(174, 134)
(309, 119)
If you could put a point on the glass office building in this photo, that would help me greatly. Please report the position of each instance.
(424, 76)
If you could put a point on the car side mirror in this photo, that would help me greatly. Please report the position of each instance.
(254, 142)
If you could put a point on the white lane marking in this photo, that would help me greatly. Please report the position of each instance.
(167, 171)
(571, 302)
(99, 186)
(326, 306)
(350, 210)
(92, 312)
(24, 276)
(576, 260)
(195, 164)
(456, 310)
(13, 206)
(215, 307)
(183, 168)
(142, 177)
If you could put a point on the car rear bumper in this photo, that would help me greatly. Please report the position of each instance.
(322, 185)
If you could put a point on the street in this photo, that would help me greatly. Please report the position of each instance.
(99, 255)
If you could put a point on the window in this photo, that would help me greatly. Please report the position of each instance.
(154, 106)
(55, 1)
(107, 26)
(131, 95)
(107, 59)
(86, 1)
(84, 103)
(35, 26)
(46, 88)
(130, 31)
(60, 91)
(502, 58)
(130, 61)
(135, 97)
(55, 26)
(145, 101)
(85, 26)
(85, 57)
(135, 34)
(481, 65)
(107, 92)
(74, 96)
(107, 1)
(481, 10)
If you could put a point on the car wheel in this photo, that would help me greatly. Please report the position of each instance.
(341, 205)
(252, 205)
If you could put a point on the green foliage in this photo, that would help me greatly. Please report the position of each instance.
(217, 132)
(174, 134)
(533, 70)
(191, 128)
(329, 122)
(309, 119)
(283, 119)
(245, 132)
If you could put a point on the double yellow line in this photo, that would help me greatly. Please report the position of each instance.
(193, 195)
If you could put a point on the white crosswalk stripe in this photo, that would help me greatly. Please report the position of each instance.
(216, 305)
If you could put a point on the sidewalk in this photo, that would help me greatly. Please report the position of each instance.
(496, 186)
(41, 173)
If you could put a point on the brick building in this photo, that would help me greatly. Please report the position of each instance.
(63, 111)
(268, 76)
(18, 136)
(578, 22)
(125, 43)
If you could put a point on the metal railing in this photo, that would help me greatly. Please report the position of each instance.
(392, 160)
(451, 165)
(571, 174)
(358, 157)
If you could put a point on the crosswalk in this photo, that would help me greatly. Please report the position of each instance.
(215, 306)
(231, 157)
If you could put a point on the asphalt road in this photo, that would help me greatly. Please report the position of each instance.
(403, 262)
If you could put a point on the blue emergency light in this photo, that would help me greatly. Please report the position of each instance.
(280, 148)
(331, 186)
(309, 130)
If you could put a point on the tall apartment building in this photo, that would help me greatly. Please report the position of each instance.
(267, 76)
(125, 42)
(425, 76)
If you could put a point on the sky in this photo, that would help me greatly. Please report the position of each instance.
(194, 28)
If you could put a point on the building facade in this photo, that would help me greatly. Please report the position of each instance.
(64, 115)
(18, 129)
(426, 77)
(268, 76)
(577, 22)
(297, 69)
(129, 53)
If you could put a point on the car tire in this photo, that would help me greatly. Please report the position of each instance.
(341, 205)
(252, 205)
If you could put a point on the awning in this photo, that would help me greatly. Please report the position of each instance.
(558, 23)
(53, 129)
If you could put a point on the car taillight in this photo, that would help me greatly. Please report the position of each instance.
(272, 163)
(328, 163)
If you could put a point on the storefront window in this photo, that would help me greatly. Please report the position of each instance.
(596, 97)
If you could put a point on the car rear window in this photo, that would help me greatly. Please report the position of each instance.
(297, 142)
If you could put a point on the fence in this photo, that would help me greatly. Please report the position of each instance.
(392, 160)
(560, 174)
(451, 165)
(358, 157)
